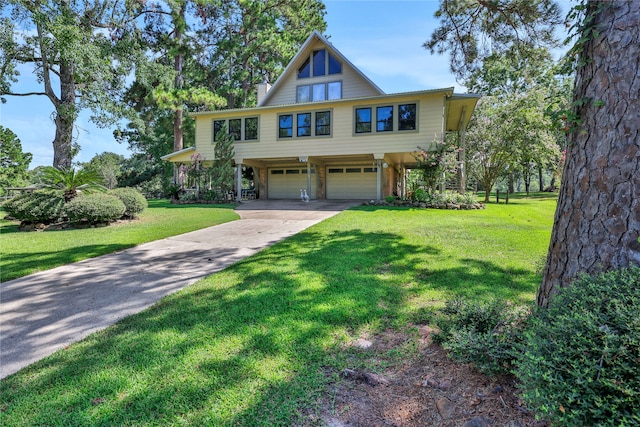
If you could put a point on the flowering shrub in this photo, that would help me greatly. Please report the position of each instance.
(434, 163)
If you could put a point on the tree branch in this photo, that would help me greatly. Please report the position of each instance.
(24, 94)
(48, 90)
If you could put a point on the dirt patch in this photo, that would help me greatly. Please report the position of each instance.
(428, 389)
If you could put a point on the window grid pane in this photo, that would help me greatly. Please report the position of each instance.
(319, 63)
(335, 67)
(217, 127)
(303, 94)
(407, 117)
(335, 90)
(235, 126)
(304, 124)
(323, 123)
(363, 120)
(251, 128)
(319, 92)
(305, 70)
(285, 126)
(384, 119)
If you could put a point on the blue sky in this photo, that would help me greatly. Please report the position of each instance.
(382, 38)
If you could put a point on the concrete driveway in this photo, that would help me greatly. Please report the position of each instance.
(47, 311)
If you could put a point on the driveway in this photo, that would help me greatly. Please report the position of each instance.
(47, 311)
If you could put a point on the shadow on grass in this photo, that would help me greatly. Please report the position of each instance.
(248, 346)
(21, 264)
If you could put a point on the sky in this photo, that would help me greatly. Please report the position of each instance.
(382, 38)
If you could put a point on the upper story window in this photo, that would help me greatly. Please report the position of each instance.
(319, 92)
(235, 129)
(386, 118)
(363, 120)
(407, 117)
(285, 126)
(321, 63)
(306, 124)
(241, 129)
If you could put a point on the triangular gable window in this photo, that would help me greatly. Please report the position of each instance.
(335, 66)
(322, 63)
(305, 70)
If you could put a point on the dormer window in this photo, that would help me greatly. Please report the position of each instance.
(322, 63)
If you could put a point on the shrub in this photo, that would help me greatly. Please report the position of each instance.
(38, 206)
(469, 198)
(581, 356)
(133, 200)
(420, 195)
(483, 333)
(95, 208)
(390, 199)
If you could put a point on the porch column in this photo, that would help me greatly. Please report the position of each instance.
(462, 154)
(309, 179)
(379, 179)
(239, 182)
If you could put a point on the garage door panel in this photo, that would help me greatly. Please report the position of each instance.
(351, 182)
(286, 183)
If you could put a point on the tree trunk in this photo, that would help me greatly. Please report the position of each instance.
(179, 23)
(597, 221)
(65, 117)
(540, 179)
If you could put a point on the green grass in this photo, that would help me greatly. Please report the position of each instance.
(257, 344)
(23, 253)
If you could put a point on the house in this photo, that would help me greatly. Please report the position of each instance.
(324, 127)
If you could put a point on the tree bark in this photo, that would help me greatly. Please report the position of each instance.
(179, 24)
(65, 117)
(597, 221)
(540, 179)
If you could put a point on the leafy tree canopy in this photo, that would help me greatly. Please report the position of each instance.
(14, 163)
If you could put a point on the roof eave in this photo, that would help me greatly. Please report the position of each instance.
(177, 153)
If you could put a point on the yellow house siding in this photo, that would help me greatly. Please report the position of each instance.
(342, 141)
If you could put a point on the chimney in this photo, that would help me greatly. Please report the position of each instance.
(263, 88)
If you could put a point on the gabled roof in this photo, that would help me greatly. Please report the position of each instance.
(304, 51)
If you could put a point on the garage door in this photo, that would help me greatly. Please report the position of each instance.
(286, 183)
(357, 182)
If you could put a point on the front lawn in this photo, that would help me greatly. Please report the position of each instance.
(23, 253)
(258, 343)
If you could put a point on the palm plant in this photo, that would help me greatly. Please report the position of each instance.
(71, 181)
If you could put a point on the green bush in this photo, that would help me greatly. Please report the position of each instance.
(469, 198)
(95, 208)
(580, 364)
(420, 195)
(38, 206)
(485, 334)
(133, 200)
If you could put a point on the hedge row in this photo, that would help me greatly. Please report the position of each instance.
(48, 207)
